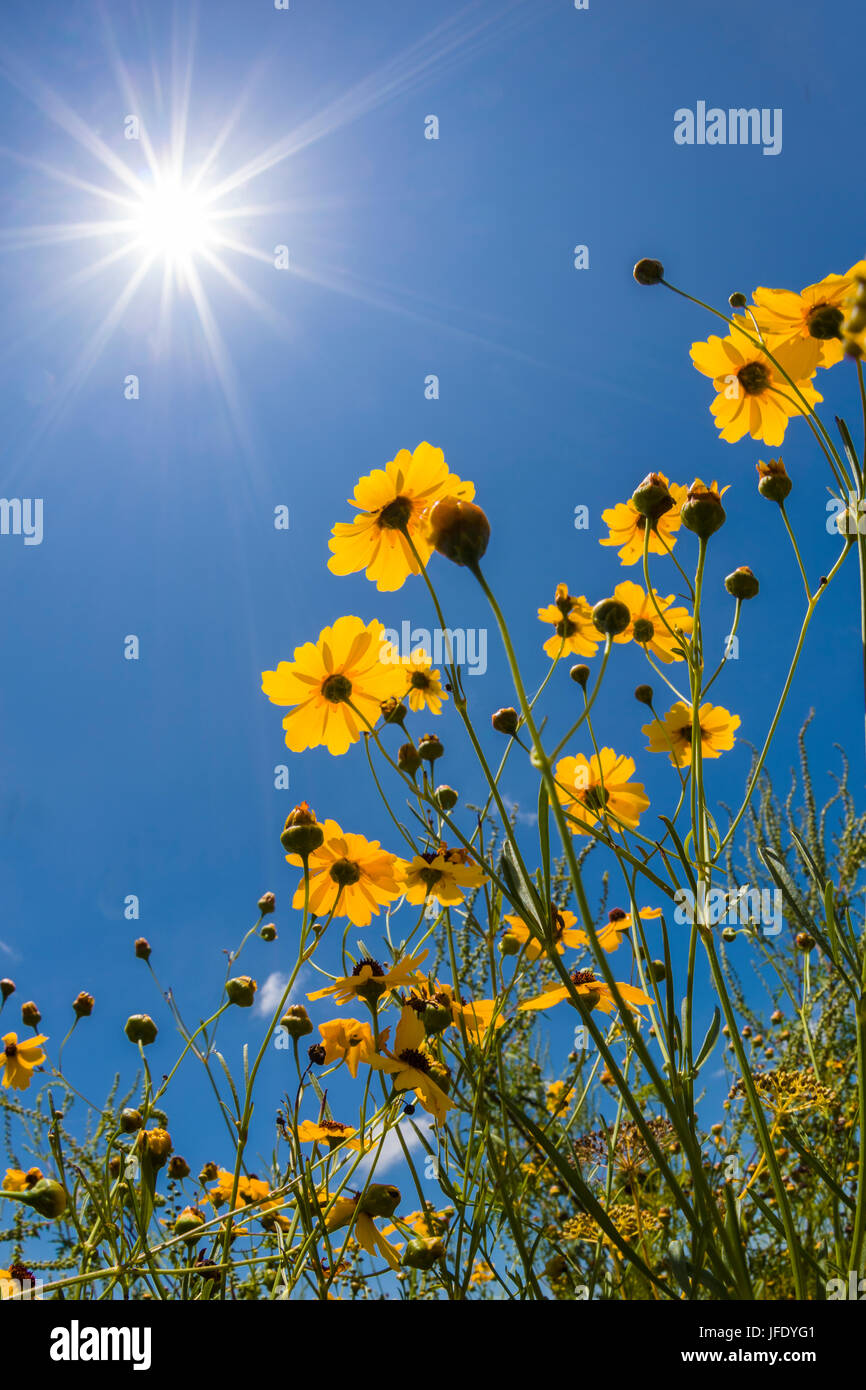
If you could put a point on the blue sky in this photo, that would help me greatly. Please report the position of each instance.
(558, 387)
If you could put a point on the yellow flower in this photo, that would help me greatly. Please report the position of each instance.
(481, 1273)
(442, 875)
(618, 925)
(423, 1223)
(350, 875)
(249, 1190)
(425, 690)
(345, 665)
(563, 924)
(14, 1181)
(347, 1040)
(557, 1097)
(575, 634)
(594, 994)
(20, 1058)
(646, 627)
(674, 735)
(601, 789)
(815, 314)
(388, 500)
(627, 527)
(330, 1132)
(752, 395)
(370, 979)
(410, 1065)
(364, 1229)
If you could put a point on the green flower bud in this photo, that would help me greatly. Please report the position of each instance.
(702, 512)
(408, 760)
(430, 747)
(458, 530)
(141, 1028)
(189, 1223)
(580, 674)
(652, 497)
(380, 1199)
(130, 1121)
(505, 721)
(423, 1254)
(644, 693)
(742, 584)
(241, 991)
(296, 1021)
(301, 832)
(446, 798)
(611, 617)
(648, 271)
(268, 932)
(47, 1198)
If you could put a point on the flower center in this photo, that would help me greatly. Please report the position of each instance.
(395, 516)
(345, 872)
(754, 378)
(643, 630)
(824, 321)
(565, 628)
(374, 965)
(582, 977)
(333, 1126)
(430, 876)
(10, 1050)
(336, 689)
(420, 680)
(596, 798)
(415, 1059)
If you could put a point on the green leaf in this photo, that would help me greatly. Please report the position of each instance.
(710, 1040)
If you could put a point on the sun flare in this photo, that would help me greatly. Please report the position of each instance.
(172, 221)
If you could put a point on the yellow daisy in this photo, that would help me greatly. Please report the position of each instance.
(673, 735)
(593, 993)
(425, 689)
(369, 980)
(564, 926)
(616, 928)
(574, 634)
(601, 788)
(14, 1181)
(389, 500)
(752, 395)
(815, 314)
(444, 875)
(347, 1040)
(349, 874)
(330, 1132)
(627, 526)
(646, 627)
(410, 1065)
(20, 1058)
(345, 665)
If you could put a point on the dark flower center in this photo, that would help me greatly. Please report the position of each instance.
(565, 628)
(336, 689)
(643, 630)
(420, 680)
(10, 1050)
(333, 1126)
(415, 1059)
(395, 516)
(345, 872)
(373, 964)
(754, 378)
(596, 798)
(583, 977)
(824, 321)
(616, 914)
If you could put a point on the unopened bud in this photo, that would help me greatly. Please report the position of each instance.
(644, 693)
(142, 948)
(652, 497)
(737, 300)
(296, 1021)
(446, 798)
(408, 760)
(505, 721)
(83, 1005)
(458, 530)
(648, 271)
(130, 1121)
(430, 747)
(702, 512)
(580, 674)
(741, 583)
(611, 616)
(268, 932)
(7, 987)
(178, 1168)
(301, 833)
(773, 480)
(141, 1028)
(30, 1014)
(267, 903)
(241, 991)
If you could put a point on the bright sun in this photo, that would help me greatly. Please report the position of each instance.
(173, 221)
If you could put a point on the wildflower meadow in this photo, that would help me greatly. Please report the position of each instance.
(603, 1042)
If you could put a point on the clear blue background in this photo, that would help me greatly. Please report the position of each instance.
(558, 388)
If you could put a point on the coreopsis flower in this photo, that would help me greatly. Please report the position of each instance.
(673, 735)
(410, 1065)
(646, 627)
(330, 1132)
(423, 1223)
(627, 526)
(574, 632)
(564, 929)
(250, 1190)
(390, 501)
(425, 689)
(370, 980)
(20, 1058)
(347, 1040)
(444, 874)
(14, 1180)
(558, 1097)
(616, 928)
(593, 993)
(753, 397)
(349, 875)
(601, 788)
(364, 1228)
(343, 668)
(481, 1273)
(816, 314)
